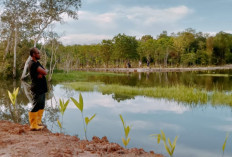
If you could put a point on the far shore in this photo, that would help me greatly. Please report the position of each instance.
(161, 69)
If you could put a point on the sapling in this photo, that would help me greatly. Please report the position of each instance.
(13, 96)
(80, 106)
(170, 149)
(62, 107)
(127, 129)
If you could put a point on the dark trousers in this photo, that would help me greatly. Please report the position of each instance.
(38, 102)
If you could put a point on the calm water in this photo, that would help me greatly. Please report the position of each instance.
(201, 129)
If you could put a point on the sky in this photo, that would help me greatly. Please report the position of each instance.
(104, 19)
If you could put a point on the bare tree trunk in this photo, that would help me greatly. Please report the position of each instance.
(15, 46)
(7, 47)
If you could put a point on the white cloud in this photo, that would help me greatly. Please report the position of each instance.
(83, 38)
(92, 27)
(149, 16)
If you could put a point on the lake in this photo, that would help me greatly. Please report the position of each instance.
(201, 127)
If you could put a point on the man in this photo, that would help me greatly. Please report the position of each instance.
(38, 89)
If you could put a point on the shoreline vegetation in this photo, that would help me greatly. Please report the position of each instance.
(192, 95)
(160, 69)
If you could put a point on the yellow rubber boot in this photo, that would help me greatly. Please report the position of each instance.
(33, 116)
(40, 115)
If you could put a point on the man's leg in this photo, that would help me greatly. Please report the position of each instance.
(41, 109)
(33, 115)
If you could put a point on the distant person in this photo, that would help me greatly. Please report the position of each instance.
(38, 89)
(148, 63)
(128, 65)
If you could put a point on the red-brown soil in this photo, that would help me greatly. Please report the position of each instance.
(17, 140)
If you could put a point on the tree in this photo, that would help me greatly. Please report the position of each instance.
(14, 19)
(106, 51)
(45, 13)
(125, 47)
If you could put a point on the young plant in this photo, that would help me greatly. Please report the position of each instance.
(224, 144)
(127, 129)
(170, 149)
(80, 106)
(62, 107)
(13, 96)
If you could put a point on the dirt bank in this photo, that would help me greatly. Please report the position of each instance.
(17, 141)
(229, 66)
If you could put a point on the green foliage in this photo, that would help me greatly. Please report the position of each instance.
(79, 104)
(60, 125)
(127, 129)
(87, 119)
(13, 95)
(63, 105)
(170, 147)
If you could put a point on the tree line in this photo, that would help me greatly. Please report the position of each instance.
(29, 23)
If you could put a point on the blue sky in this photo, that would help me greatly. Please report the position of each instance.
(103, 19)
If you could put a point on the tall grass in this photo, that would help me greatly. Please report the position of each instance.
(79, 75)
(178, 93)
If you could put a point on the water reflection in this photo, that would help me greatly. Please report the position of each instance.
(201, 128)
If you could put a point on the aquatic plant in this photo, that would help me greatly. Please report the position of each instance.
(127, 129)
(13, 95)
(80, 106)
(224, 144)
(170, 149)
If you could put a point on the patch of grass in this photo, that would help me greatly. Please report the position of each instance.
(80, 76)
(221, 98)
(178, 93)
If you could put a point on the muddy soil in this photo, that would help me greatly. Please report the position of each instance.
(17, 140)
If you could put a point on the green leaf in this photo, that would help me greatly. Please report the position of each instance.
(169, 142)
(59, 123)
(78, 105)
(86, 120)
(92, 117)
(174, 142)
(224, 144)
(158, 138)
(122, 120)
(11, 97)
(128, 140)
(167, 149)
(163, 137)
(16, 92)
(127, 130)
(81, 102)
(124, 142)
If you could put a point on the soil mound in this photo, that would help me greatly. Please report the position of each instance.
(17, 140)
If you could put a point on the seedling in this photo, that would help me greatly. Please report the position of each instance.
(13, 96)
(62, 108)
(127, 129)
(170, 149)
(80, 106)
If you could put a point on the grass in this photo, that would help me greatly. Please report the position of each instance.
(178, 93)
(80, 75)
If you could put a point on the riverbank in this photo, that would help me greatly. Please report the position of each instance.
(161, 69)
(18, 140)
